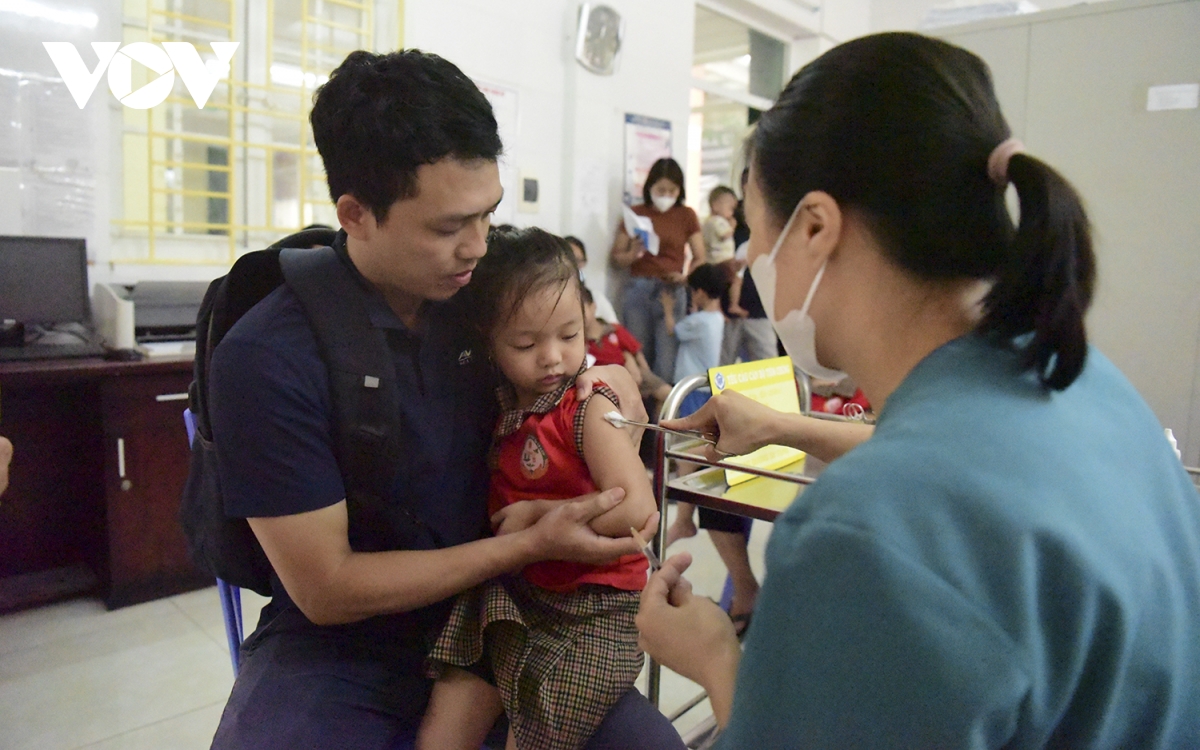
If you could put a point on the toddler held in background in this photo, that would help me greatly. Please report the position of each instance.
(718, 227)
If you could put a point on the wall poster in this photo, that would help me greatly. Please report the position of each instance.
(647, 139)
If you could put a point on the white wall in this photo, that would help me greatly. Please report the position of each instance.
(570, 131)
(906, 15)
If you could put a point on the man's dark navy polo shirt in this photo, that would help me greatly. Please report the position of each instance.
(272, 417)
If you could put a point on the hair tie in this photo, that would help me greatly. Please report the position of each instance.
(997, 163)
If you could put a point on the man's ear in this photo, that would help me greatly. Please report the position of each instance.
(358, 220)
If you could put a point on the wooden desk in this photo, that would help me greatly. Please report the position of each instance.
(100, 459)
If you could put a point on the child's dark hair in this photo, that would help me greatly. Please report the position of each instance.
(709, 279)
(899, 127)
(586, 295)
(380, 117)
(715, 194)
(668, 168)
(518, 263)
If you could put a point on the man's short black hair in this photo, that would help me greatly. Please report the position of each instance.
(379, 117)
(709, 279)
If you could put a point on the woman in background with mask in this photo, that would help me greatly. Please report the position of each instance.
(680, 248)
(1012, 559)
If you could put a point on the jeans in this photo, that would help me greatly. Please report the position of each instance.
(643, 316)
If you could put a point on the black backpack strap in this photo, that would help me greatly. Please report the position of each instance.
(370, 438)
(224, 546)
(315, 237)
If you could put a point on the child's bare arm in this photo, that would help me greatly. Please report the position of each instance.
(631, 364)
(667, 299)
(614, 462)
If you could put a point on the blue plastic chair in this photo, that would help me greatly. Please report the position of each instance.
(231, 596)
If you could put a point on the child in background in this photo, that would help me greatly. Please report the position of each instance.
(559, 637)
(718, 227)
(700, 332)
(604, 308)
(699, 337)
(613, 344)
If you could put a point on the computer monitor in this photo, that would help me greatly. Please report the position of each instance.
(43, 280)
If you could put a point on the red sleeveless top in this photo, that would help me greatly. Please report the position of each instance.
(538, 454)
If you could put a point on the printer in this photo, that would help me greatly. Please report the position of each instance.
(128, 315)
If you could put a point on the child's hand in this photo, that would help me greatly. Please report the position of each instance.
(519, 516)
(667, 298)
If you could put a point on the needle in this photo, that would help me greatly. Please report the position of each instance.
(655, 564)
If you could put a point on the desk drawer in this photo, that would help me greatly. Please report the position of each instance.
(146, 466)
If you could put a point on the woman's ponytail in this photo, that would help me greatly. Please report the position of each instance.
(1045, 285)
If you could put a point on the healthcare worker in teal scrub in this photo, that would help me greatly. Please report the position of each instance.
(1012, 559)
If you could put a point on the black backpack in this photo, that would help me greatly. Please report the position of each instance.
(369, 439)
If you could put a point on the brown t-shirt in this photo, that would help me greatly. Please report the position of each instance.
(673, 229)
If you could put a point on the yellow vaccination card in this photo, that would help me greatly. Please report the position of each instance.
(769, 382)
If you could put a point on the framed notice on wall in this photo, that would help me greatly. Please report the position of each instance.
(647, 139)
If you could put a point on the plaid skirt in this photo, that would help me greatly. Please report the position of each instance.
(560, 660)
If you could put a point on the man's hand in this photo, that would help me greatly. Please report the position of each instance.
(738, 311)
(688, 634)
(6, 451)
(519, 516)
(564, 534)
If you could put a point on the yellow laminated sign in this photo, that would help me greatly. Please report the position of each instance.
(770, 382)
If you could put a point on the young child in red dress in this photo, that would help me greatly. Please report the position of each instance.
(558, 639)
(612, 344)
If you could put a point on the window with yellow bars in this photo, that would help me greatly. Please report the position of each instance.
(203, 185)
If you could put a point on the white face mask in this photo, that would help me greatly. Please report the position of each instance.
(797, 330)
(664, 203)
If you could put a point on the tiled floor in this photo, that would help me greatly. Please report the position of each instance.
(156, 676)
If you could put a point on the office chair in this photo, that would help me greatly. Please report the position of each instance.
(231, 596)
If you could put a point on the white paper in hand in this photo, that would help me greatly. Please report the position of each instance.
(641, 228)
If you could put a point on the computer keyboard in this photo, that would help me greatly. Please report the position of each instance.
(50, 351)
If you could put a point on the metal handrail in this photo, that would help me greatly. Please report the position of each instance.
(663, 454)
